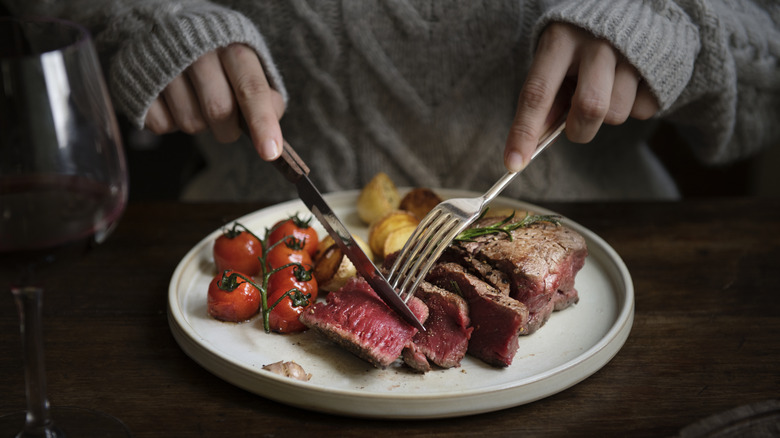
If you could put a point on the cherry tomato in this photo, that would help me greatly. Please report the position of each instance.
(283, 317)
(300, 277)
(288, 251)
(298, 228)
(239, 250)
(232, 298)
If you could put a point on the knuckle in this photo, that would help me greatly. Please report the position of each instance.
(615, 117)
(250, 87)
(642, 112)
(227, 136)
(191, 125)
(522, 133)
(535, 93)
(160, 125)
(218, 110)
(554, 35)
(592, 107)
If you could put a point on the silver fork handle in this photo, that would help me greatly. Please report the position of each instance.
(546, 140)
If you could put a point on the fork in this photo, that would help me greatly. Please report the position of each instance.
(443, 224)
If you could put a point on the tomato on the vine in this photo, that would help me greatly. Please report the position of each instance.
(296, 280)
(294, 277)
(300, 287)
(289, 251)
(299, 229)
(238, 249)
(232, 298)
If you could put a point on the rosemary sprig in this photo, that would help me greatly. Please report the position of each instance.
(506, 226)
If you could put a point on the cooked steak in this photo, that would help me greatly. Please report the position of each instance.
(539, 260)
(480, 268)
(497, 319)
(479, 298)
(564, 299)
(358, 320)
(447, 331)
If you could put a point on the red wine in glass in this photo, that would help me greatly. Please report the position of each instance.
(51, 217)
(63, 187)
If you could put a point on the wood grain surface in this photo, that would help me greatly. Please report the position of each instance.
(706, 336)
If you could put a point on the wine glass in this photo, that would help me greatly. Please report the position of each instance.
(63, 186)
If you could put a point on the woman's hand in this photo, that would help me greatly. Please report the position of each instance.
(218, 91)
(574, 69)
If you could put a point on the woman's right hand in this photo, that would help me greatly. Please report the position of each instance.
(216, 92)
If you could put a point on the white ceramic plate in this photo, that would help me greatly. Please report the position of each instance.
(574, 344)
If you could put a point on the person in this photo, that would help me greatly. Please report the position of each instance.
(442, 94)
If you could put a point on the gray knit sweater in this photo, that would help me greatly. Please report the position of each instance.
(425, 90)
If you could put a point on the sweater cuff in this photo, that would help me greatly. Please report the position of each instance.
(145, 66)
(658, 39)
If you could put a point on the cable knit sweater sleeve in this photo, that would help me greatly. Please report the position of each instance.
(713, 65)
(144, 44)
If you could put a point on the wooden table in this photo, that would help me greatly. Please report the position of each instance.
(706, 335)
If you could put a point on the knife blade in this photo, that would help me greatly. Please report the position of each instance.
(296, 171)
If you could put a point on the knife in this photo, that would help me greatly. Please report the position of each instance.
(295, 170)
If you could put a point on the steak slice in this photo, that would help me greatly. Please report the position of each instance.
(358, 320)
(497, 319)
(480, 268)
(539, 260)
(447, 332)
(564, 299)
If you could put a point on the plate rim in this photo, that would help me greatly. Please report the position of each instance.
(593, 358)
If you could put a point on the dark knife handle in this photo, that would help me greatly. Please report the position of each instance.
(290, 164)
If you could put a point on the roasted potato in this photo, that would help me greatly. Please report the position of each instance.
(382, 227)
(397, 238)
(331, 267)
(377, 198)
(419, 201)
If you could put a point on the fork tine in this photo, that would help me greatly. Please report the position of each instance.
(412, 246)
(429, 257)
(422, 248)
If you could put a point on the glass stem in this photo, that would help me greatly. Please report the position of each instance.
(38, 421)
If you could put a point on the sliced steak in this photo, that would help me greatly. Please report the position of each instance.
(447, 331)
(415, 358)
(564, 299)
(497, 319)
(539, 260)
(480, 268)
(358, 320)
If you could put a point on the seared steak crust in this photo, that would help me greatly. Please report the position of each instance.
(539, 260)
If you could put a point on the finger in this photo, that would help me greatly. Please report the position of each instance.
(624, 92)
(645, 105)
(184, 106)
(259, 103)
(545, 76)
(592, 96)
(215, 97)
(158, 118)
